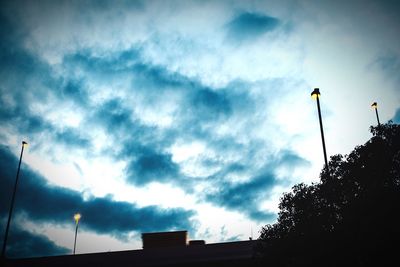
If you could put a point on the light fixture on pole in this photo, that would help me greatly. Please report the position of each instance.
(316, 95)
(77, 217)
(3, 251)
(375, 106)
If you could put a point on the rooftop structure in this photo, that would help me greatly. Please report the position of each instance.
(160, 249)
(164, 239)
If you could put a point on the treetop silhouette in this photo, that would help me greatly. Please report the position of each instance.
(350, 217)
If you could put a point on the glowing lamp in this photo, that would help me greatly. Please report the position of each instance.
(77, 217)
(315, 94)
(375, 106)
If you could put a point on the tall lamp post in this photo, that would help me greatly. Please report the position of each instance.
(316, 95)
(375, 106)
(77, 217)
(3, 251)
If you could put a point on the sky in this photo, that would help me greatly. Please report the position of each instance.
(148, 116)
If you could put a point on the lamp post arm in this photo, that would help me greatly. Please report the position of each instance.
(76, 233)
(377, 117)
(322, 133)
(3, 251)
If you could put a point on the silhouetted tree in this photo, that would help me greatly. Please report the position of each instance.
(351, 217)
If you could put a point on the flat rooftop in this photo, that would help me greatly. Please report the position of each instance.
(238, 253)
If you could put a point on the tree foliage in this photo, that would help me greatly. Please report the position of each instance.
(350, 217)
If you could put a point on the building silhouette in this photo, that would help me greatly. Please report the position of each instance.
(169, 249)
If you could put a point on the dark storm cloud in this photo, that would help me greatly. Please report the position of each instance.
(247, 196)
(71, 137)
(20, 116)
(139, 145)
(247, 26)
(25, 81)
(22, 119)
(12, 57)
(105, 5)
(114, 116)
(210, 105)
(143, 147)
(158, 77)
(289, 159)
(205, 109)
(42, 202)
(152, 166)
(199, 104)
(119, 122)
(130, 62)
(200, 110)
(244, 196)
(76, 91)
(19, 68)
(106, 216)
(24, 244)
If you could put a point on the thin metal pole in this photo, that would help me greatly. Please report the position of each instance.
(377, 117)
(76, 233)
(322, 133)
(3, 251)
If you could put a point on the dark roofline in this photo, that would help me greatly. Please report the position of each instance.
(165, 233)
(170, 256)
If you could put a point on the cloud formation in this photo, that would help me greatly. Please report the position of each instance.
(44, 203)
(22, 243)
(246, 195)
(248, 26)
(209, 102)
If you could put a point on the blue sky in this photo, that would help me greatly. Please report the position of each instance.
(180, 115)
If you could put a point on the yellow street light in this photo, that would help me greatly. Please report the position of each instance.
(316, 95)
(77, 217)
(375, 106)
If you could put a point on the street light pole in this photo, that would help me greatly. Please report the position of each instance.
(76, 218)
(316, 94)
(3, 251)
(375, 106)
